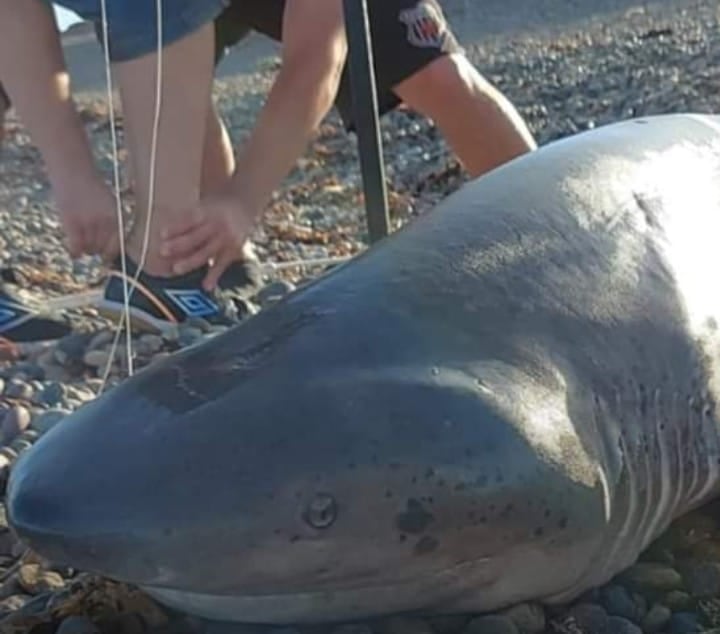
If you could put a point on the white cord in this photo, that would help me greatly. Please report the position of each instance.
(126, 321)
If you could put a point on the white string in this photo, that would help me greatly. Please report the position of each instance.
(125, 320)
(116, 169)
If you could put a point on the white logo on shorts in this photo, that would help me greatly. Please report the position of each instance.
(426, 26)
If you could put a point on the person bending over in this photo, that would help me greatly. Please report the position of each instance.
(207, 198)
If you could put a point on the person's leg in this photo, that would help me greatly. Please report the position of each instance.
(419, 62)
(218, 159)
(174, 176)
(238, 19)
(479, 123)
(184, 96)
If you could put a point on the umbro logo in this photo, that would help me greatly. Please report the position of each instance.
(7, 316)
(426, 25)
(194, 303)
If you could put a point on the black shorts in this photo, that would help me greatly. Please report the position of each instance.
(406, 36)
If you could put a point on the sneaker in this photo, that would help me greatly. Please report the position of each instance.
(22, 322)
(158, 303)
(243, 278)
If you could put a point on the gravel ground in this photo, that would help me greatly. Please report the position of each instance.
(585, 72)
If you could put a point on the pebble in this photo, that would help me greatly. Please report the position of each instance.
(529, 618)
(70, 350)
(703, 580)
(149, 344)
(16, 420)
(13, 602)
(656, 619)
(684, 623)
(20, 445)
(273, 292)
(34, 580)
(652, 576)
(18, 389)
(619, 625)
(491, 624)
(47, 420)
(617, 601)
(590, 617)
(52, 394)
(678, 600)
(97, 359)
(9, 453)
(190, 336)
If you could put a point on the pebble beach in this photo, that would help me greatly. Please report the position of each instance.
(567, 68)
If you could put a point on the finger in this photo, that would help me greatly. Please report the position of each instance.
(183, 223)
(217, 269)
(184, 245)
(200, 257)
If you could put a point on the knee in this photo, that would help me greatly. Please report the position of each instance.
(450, 72)
(450, 79)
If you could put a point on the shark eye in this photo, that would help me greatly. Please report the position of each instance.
(321, 512)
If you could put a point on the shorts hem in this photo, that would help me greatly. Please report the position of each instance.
(139, 42)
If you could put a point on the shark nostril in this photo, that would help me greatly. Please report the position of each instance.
(321, 512)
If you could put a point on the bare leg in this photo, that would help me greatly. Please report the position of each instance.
(187, 73)
(218, 157)
(478, 122)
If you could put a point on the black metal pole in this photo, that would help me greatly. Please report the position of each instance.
(367, 126)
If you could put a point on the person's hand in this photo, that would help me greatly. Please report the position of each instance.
(88, 213)
(214, 232)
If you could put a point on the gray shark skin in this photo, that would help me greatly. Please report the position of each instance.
(506, 400)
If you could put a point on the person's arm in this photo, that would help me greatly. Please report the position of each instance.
(314, 53)
(32, 68)
(314, 50)
(33, 72)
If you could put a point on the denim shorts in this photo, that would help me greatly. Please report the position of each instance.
(132, 24)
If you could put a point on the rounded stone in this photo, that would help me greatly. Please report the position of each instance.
(52, 394)
(656, 619)
(589, 617)
(677, 600)
(97, 359)
(703, 580)
(684, 623)
(619, 625)
(16, 420)
(34, 580)
(617, 601)
(19, 389)
(652, 576)
(491, 624)
(528, 617)
(44, 422)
